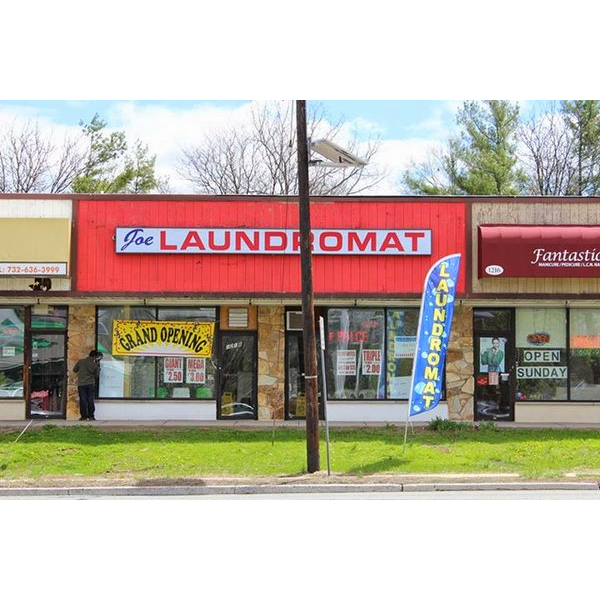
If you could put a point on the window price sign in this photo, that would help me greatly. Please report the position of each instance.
(195, 370)
(371, 362)
(173, 372)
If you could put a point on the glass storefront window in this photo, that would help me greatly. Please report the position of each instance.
(129, 376)
(51, 317)
(355, 353)
(12, 342)
(186, 377)
(541, 372)
(491, 319)
(584, 359)
(153, 377)
(402, 326)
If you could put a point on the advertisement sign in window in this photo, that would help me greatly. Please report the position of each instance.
(195, 370)
(346, 362)
(173, 369)
(162, 338)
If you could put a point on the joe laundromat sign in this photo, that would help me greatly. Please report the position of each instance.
(158, 240)
(162, 338)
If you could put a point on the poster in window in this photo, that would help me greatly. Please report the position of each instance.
(371, 362)
(404, 346)
(195, 370)
(173, 369)
(491, 359)
(345, 362)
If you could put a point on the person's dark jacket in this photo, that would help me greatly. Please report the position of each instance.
(88, 370)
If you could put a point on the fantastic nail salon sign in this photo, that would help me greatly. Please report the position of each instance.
(539, 251)
(159, 240)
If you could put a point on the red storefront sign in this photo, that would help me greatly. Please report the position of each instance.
(365, 226)
(539, 251)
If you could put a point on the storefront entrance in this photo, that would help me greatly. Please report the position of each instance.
(295, 396)
(237, 376)
(494, 364)
(47, 375)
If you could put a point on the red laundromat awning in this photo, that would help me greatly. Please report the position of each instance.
(539, 251)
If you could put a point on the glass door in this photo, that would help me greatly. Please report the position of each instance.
(47, 375)
(494, 365)
(237, 376)
(295, 397)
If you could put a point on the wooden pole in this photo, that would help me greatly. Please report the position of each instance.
(308, 313)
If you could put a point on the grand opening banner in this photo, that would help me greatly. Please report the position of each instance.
(433, 334)
(162, 338)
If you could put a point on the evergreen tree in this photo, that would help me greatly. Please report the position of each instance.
(109, 169)
(481, 160)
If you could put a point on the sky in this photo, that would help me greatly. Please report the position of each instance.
(408, 129)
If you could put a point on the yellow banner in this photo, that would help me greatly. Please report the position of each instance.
(162, 338)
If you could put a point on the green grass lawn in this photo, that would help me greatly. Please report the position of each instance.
(55, 452)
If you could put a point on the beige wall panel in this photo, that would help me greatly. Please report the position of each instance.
(520, 212)
(35, 240)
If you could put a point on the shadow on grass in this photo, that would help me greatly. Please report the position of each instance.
(381, 466)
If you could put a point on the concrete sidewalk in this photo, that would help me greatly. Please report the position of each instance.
(250, 424)
(293, 489)
(316, 483)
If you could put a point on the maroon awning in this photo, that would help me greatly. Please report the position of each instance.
(539, 251)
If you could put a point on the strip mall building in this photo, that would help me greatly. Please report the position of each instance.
(119, 273)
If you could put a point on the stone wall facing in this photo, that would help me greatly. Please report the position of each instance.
(81, 339)
(459, 366)
(271, 362)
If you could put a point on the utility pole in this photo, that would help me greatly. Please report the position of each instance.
(308, 313)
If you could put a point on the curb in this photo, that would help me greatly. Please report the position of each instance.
(295, 489)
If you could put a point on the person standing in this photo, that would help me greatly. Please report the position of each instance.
(88, 371)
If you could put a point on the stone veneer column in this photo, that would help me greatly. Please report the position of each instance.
(459, 366)
(271, 359)
(81, 339)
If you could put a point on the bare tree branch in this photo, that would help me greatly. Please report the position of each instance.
(66, 167)
(24, 158)
(261, 158)
(547, 148)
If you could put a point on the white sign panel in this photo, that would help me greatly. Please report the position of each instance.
(173, 371)
(541, 356)
(345, 362)
(33, 269)
(371, 362)
(165, 240)
(399, 386)
(541, 372)
(195, 370)
(405, 346)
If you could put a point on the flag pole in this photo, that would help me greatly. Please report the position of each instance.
(406, 429)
